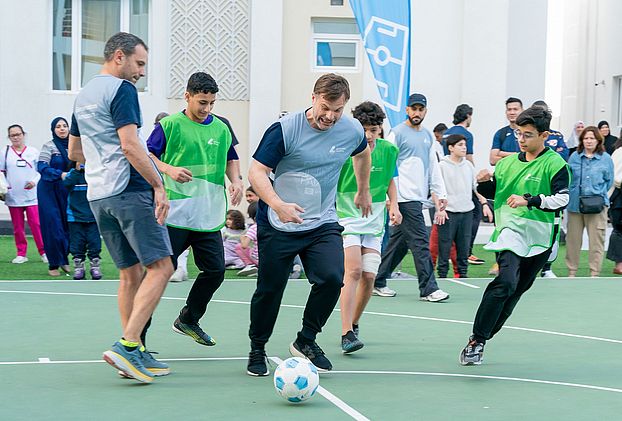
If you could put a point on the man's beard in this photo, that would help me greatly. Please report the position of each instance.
(412, 121)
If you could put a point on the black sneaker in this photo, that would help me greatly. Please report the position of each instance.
(312, 352)
(194, 331)
(350, 343)
(473, 353)
(257, 363)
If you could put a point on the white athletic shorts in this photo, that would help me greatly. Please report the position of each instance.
(363, 240)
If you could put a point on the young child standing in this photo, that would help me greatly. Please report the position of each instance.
(247, 249)
(84, 238)
(459, 176)
(231, 233)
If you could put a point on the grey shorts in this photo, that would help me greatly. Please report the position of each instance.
(129, 228)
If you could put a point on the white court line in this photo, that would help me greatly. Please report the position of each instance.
(461, 283)
(334, 399)
(48, 361)
(375, 313)
(475, 376)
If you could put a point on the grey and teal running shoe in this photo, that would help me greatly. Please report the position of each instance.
(130, 362)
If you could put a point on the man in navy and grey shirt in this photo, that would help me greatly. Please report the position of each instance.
(296, 214)
(126, 195)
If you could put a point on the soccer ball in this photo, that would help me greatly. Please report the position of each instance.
(296, 379)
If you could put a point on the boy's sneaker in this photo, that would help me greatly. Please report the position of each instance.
(19, 260)
(436, 296)
(44, 258)
(549, 274)
(96, 272)
(383, 292)
(155, 367)
(179, 275)
(296, 272)
(194, 331)
(130, 362)
(474, 260)
(249, 270)
(494, 270)
(78, 272)
(312, 352)
(350, 343)
(473, 353)
(257, 363)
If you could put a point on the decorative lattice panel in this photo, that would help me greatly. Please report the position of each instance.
(210, 36)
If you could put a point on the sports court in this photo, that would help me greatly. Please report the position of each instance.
(556, 359)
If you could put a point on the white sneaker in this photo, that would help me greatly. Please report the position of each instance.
(19, 260)
(179, 275)
(436, 296)
(548, 274)
(249, 270)
(44, 258)
(383, 292)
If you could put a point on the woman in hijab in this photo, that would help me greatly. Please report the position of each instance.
(610, 140)
(573, 140)
(53, 166)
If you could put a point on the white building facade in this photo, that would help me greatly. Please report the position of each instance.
(266, 55)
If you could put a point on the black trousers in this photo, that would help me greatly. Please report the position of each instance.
(516, 275)
(321, 252)
(209, 256)
(84, 239)
(456, 229)
(410, 234)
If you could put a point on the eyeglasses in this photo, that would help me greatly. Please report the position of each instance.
(16, 135)
(526, 136)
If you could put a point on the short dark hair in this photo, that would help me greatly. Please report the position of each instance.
(201, 83)
(513, 99)
(251, 189)
(332, 86)
(237, 218)
(122, 41)
(452, 139)
(537, 116)
(369, 114)
(13, 126)
(160, 116)
(252, 210)
(439, 128)
(600, 147)
(463, 111)
(540, 103)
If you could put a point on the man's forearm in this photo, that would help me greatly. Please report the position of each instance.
(362, 169)
(259, 179)
(75, 149)
(139, 159)
(233, 171)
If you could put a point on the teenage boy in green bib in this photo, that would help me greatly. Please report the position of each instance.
(194, 152)
(531, 192)
(362, 237)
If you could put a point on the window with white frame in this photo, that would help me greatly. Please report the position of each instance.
(336, 44)
(80, 29)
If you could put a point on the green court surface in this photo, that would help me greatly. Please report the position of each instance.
(557, 358)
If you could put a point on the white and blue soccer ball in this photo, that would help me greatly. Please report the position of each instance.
(296, 379)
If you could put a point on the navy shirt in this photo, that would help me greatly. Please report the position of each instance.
(505, 140)
(270, 151)
(459, 130)
(124, 110)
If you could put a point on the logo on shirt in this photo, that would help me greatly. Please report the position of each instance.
(376, 169)
(335, 149)
(213, 142)
(531, 177)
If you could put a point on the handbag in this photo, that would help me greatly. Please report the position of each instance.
(589, 204)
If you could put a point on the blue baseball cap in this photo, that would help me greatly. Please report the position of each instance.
(417, 99)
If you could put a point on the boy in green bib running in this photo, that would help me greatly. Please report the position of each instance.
(531, 191)
(362, 237)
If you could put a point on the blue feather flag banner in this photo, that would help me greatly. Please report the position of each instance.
(385, 28)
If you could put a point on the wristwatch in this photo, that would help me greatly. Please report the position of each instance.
(527, 196)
